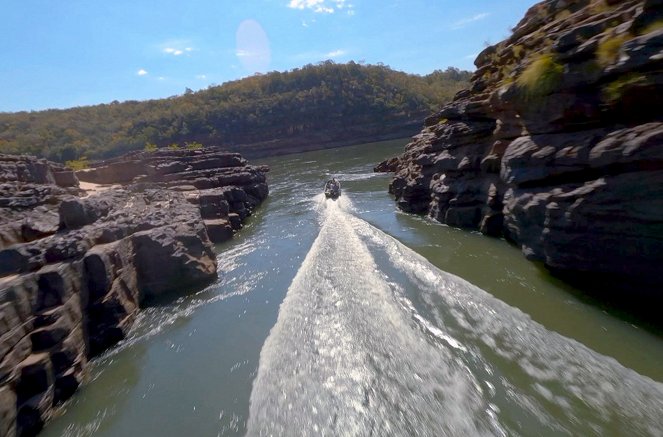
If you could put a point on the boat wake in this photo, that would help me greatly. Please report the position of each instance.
(372, 339)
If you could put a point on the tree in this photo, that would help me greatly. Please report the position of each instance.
(193, 145)
(302, 103)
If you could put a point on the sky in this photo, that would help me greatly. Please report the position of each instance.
(59, 54)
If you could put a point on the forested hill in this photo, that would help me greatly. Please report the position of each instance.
(315, 106)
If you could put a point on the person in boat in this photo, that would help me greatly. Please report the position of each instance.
(333, 188)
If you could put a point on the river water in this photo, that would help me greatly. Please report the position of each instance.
(350, 318)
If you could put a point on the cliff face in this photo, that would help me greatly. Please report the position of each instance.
(76, 266)
(558, 143)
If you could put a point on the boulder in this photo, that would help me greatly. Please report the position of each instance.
(171, 259)
(75, 212)
(387, 166)
(219, 230)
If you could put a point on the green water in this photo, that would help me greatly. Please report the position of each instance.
(372, 338)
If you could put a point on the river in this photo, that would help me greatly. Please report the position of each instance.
(350, 318)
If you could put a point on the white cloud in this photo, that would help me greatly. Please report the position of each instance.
(335, 53)
(201, 76)
(322, 6)
(315, 56)
(173, 51)
(141, 72)
(245, 53)
(176, 47)
(465, 21)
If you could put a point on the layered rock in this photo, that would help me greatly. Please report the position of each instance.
(222, 184)
(557, 145)
(76, 268)
(30, 190)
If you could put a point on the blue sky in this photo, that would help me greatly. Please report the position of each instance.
(58, 54)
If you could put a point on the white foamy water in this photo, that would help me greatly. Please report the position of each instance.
(372, 339)
(351, 177)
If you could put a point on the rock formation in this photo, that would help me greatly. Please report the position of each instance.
(75, 269)
(557, 145)
(223, 186)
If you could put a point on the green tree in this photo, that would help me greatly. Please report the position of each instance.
(336, 99)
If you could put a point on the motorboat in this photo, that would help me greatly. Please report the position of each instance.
(332, 189)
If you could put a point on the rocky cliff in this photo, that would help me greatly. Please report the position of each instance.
(77, 265)
(557, 145)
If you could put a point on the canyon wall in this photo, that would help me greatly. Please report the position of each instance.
(557, 145)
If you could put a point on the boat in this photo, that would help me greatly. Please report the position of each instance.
(332, 189)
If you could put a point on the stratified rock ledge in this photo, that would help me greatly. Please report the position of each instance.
(557, 145)
(76, 265)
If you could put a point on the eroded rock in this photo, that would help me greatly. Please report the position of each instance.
(557, 145)
(76, 269)
(220, 183)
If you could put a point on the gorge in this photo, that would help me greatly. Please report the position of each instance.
(164, 288)
(366, 318)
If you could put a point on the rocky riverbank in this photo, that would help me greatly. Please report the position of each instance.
(76, 266)
(557, 145)
(224, 187)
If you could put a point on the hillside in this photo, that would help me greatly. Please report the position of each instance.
(315, 106)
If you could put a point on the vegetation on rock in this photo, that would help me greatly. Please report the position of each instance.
(78, 164)
(193, 145)
(653, 27)
(607, 51)
(542, 76)
(615, 89)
